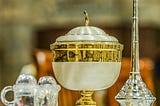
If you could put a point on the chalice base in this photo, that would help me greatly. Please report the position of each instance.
(86, 98)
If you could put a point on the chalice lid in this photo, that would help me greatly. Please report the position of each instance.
(86, 33)
(26, 79)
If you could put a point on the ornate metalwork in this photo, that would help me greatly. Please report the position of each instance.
(86, 18)
(86, 52)
(86, 99)
(135, 92)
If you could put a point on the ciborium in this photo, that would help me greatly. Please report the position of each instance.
(86, 59)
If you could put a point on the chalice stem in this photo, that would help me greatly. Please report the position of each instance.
(86, 98)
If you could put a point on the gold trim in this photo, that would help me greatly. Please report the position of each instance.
(86, 98)
(86, 52)
(86, 18)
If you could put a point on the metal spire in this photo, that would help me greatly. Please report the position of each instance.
(135, 39)
(134, 92)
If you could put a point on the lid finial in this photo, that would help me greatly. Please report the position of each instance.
(86, 18)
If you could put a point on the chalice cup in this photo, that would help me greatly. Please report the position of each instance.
(86, 59)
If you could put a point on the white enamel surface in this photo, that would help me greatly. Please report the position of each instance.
(87, 33)
(86, 75)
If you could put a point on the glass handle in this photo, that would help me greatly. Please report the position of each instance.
(3, 96)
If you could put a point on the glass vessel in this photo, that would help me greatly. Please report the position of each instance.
(134, 92)
(86, 59)
(48, 93)
(25, 91)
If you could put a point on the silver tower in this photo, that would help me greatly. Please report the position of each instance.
(134, 92)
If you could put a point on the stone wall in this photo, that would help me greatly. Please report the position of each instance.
(102, 12)
(16, 39)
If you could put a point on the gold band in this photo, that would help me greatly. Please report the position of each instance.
(86, 99)
(86, 52)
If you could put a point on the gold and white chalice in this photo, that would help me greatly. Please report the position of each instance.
(86, 59)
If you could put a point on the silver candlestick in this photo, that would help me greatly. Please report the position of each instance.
(134, 92)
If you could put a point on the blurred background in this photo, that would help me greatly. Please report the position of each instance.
(26, 25)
